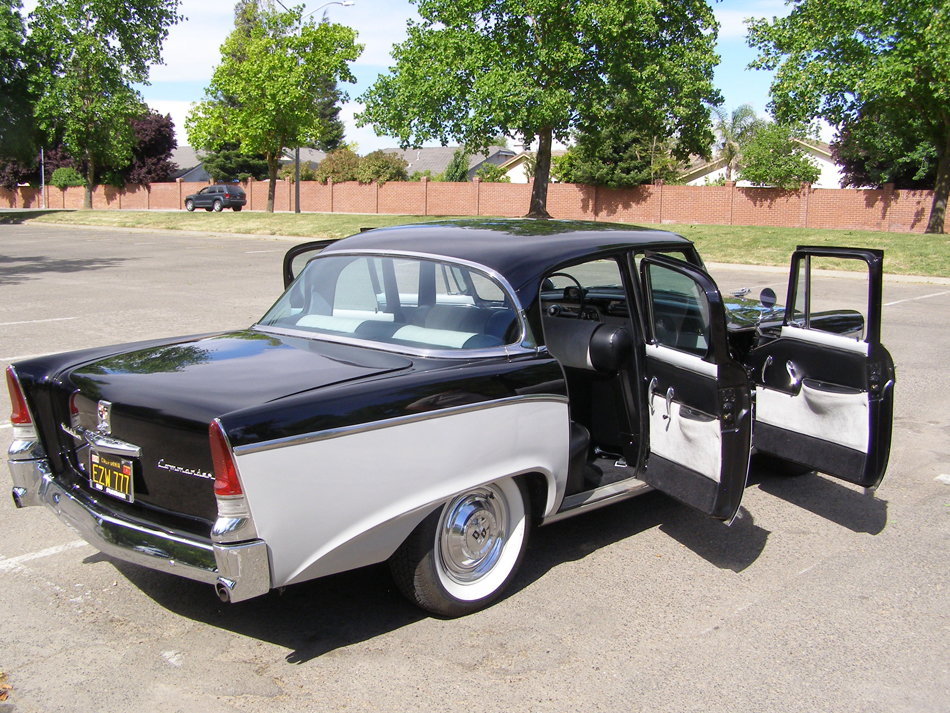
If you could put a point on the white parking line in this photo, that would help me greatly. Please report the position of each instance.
(14, 562)
(36, 321)
(911, 299)
(6, 424)
(252, 252)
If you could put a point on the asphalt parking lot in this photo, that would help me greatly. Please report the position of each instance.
(820, 598)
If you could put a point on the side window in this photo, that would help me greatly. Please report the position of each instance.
(679, 311)
(825, 302)
(354, 289)
(591, 290)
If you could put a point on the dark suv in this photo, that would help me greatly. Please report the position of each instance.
(217, 198)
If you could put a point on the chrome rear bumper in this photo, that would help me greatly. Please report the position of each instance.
(238, 571)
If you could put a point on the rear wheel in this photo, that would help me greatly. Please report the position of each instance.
(218, 206)
(463, 556)
(189, 205)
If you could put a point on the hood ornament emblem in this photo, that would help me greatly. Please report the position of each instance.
(104, 413)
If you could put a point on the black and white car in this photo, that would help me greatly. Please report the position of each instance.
(426, 394)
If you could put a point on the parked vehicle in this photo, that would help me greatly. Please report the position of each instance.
(426, 394)
(217, 198)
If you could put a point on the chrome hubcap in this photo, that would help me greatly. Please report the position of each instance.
(472, 534)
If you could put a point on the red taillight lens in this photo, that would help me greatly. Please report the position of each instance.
(20, 415)
(225, 474)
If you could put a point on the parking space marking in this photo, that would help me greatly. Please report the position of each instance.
(6, 424)
(15, 562)
(911, 299)
(36, 321)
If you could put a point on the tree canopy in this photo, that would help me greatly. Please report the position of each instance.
(16, 96)
(89, 53)
(840, 59)
(537, 69)
(774, 156)
(265, 92)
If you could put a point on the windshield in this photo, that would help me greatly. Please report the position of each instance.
(399, 301)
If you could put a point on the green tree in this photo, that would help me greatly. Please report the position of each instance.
(872, 151)
(380, 166)
(229, 163)
(536, 69)
(836, 59)
(65, 177)
(490, 173)
(732, 132)
(773, 156)
(339, 166)
(264, 91)
(89, 53)
(16, 94)
(457, 170)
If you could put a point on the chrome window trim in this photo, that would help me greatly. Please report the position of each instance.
(387, 423)
(525, 344)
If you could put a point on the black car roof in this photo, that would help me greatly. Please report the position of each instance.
(520, 250)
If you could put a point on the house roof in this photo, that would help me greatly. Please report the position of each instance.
(435, 159)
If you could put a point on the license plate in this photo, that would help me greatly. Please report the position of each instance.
(111, 474)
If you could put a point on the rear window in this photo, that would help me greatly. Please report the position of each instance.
(399, 301)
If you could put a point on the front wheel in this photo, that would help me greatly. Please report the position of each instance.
(189, 205)
(218, 206)
(463, 556)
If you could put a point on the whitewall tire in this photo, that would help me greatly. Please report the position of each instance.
(463, 556)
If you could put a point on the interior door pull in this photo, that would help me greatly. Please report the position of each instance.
(792, 373)
(669, 401)
(765, 366)
(652, 390)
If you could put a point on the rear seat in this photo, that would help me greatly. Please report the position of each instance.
(463, 336)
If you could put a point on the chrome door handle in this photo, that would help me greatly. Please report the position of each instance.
(652, 391)
(766, 365)
(669, 401)
(792, 373)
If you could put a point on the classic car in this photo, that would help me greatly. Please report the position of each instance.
(426, 394)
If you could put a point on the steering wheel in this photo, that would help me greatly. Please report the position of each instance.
(580, 291)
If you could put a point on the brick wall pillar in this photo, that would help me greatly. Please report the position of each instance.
(731, 185)
(888, 202)
(330, 184)
(478, 195)
(425, 195)
(804, 190)
(658, 184)
(178, 181)
(376, 194)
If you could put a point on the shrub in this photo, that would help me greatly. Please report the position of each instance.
(338, 166)
(64, 177)
(380, 166)
(490, 173)
(306, 172)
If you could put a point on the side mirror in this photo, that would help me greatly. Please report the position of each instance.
(767, 298)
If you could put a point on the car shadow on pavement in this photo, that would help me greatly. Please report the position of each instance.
(829, 499)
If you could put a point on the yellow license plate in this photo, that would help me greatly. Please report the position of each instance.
(111, 474)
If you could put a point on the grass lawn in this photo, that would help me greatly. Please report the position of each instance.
(905, 253)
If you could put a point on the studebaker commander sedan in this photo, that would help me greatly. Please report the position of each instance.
(426, 394)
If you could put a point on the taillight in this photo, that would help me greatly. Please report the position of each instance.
(20, 415)
(225, 474)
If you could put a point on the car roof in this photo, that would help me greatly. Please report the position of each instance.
(521, 250)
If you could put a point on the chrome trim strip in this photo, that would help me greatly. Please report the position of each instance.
(387, 423)
(691, 362)
(598, 498)
(527, 344)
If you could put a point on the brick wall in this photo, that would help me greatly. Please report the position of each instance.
(883, 209)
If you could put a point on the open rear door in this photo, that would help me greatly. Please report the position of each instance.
(698, 396)
(825, 387)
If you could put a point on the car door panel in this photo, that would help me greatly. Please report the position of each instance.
(698, 397)
(825, 400)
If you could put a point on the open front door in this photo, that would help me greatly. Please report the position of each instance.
(698, 396)
(825, 387)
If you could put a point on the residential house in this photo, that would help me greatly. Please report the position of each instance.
(435, 159)
(701, 172)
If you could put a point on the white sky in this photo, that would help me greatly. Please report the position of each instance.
(192, 51)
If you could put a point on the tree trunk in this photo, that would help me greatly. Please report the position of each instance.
(938, 209)
(90, 184)
(272, 166)
(542, 172)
